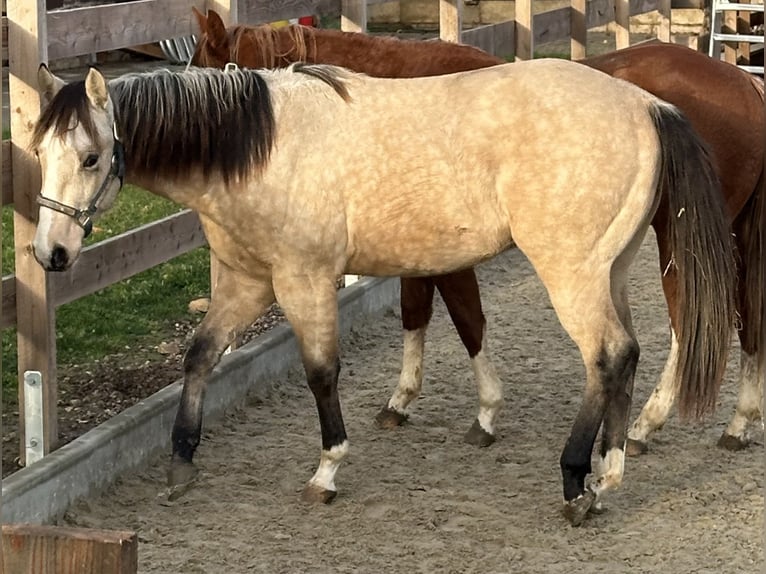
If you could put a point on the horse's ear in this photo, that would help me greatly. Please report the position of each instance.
(48, 84)
(95, 89)
(216, 29)
(201, 20)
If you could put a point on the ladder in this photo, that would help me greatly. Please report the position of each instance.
(720, 7)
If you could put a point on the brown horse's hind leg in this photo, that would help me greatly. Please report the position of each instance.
(416, 302)
(748, 413)
(460, 291)
(309, 301)
(657, 408)
(236, 303)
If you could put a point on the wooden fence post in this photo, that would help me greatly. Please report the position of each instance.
(622, 23)
(353, 16)
(665, 15)
(578, 30)
(525, 48)
(450, 20)
(36, 319)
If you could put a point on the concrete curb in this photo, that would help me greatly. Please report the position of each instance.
(44, 490)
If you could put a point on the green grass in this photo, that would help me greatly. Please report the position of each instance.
(138, 312)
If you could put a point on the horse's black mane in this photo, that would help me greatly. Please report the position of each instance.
(170, 123)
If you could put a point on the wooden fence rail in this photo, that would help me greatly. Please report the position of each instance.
(30, 296)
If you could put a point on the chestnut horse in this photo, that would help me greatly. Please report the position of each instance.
(725, 106)
(296, 182)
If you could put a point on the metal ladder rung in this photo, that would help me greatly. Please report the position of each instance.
(752, 38)
(726, 6)
(751, 69)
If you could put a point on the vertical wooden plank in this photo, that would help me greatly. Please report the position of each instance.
(451, 20)
(622, 23)
(35, 549)
(579, 32)
(665, 14)
(35, 312)
(524, 37)
(2, 159)
(353, 16)
(227, 9)
(743, 27)
(729, 26)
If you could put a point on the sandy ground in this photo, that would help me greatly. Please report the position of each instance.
(418, 499)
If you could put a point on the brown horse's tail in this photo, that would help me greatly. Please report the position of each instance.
(703, 256)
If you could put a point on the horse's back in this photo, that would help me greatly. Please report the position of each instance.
(478, 159)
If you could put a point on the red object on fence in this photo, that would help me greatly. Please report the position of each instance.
(307, 21)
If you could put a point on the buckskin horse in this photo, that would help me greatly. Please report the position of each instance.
(296, 181)
(723, 103)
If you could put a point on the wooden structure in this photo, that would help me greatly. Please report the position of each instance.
(32, 549)
(30, 296)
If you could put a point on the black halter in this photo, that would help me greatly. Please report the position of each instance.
(84, 217)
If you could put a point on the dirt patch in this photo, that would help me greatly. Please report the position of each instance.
(90, 394)
(417, 499)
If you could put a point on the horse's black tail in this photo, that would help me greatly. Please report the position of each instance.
(703, 256)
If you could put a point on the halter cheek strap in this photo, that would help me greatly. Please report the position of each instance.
(84, 217)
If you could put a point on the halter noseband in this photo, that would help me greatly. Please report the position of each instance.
(84, 217)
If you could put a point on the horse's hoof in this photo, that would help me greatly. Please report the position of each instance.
(314, 494)
(733, 443)
(389, 418)
(477, 436)
(635, 447)
(181, 477)
(575, 511)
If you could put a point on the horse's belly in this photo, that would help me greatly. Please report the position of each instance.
(423, 248)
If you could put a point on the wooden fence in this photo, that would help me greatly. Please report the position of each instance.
(30, 296)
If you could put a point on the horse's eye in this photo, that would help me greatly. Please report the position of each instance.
(90, 161)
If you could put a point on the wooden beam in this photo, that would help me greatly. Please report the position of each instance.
(7, 174)
(86, 30)
(665, 15)
(274, 10)
(578, 31)
(495, 39)
(451, 20)
(622, 23)
(525, 48)
(353, 16)
(36, 333)
(115, 259)
(60, 550)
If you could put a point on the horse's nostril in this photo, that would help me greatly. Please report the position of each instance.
(59, 259)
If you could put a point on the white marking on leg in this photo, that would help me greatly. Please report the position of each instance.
(657, 408)
(749, 399)
(329, 462)
(611, 471)
(490, 391)
(411, 377)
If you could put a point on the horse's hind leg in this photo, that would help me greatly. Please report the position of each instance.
(416, 300)
(460, 292)
(309, 301)
(236, 303)
(598, 321)
(657, 408)
(748, 411)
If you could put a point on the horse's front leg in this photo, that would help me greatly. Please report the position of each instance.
(236, 303)
(309, 301)
(416, 302)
